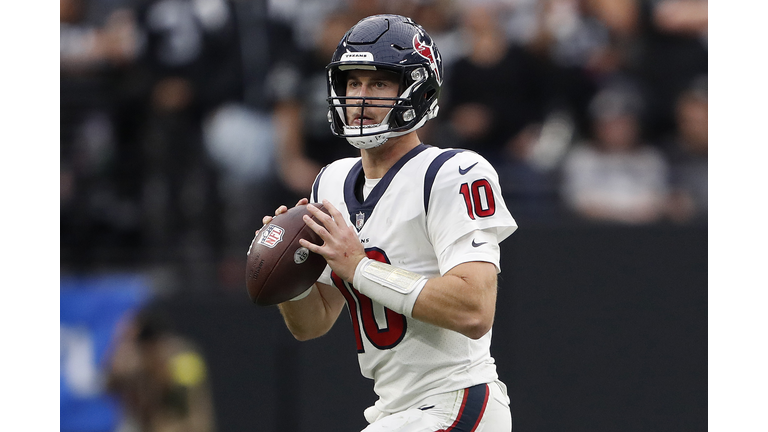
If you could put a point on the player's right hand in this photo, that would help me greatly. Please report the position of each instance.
(282, 209)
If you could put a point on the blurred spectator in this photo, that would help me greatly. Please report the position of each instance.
(673, 52)
(195, 42)
(85, 46)
(570, 35)
(688, 155)
(584, 42)
(492, 93)
(305, 17)
(530, 176)
(160, 378)
(615, 177)
(620, 16)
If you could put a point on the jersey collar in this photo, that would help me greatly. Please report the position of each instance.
(359, 212)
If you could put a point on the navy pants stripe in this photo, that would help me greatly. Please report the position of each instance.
(472, 409)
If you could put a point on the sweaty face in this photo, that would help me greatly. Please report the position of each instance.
(370, 83)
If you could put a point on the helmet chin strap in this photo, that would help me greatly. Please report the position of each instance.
(373, 141)
(367, 142)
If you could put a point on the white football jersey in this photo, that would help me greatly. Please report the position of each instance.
(413, 218)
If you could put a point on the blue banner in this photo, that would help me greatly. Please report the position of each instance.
(91, 308)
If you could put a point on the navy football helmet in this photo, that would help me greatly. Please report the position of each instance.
(393, 43)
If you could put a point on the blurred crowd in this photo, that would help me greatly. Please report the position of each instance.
(183, 122)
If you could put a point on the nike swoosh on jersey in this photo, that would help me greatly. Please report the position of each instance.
(474, 244)
(466, 170)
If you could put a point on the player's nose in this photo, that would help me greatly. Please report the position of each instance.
(363, 90)
(355, 96)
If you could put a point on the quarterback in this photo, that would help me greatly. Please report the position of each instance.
(411, 242)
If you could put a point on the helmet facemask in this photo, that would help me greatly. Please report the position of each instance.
(402, 117)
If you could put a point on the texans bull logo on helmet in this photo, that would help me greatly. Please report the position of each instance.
(428, 53)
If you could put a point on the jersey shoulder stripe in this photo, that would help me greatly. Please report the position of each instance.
(434, 167)
(328, 174)
(316, 186)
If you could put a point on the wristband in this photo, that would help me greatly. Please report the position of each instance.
(393, 287)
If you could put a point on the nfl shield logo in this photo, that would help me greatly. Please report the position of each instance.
(359, 220)
(271, 235)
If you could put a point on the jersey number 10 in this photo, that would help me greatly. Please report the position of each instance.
(382, 336)
(479, 198)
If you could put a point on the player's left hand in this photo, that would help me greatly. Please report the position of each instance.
(341, 248)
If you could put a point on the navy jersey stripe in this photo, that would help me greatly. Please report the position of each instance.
(472, 409)
(434, 167)
(316, 186)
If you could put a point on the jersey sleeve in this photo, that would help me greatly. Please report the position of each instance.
(465, 196)
(473, 246)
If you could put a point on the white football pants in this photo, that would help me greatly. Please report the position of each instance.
(482, 408)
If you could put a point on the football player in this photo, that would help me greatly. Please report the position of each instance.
(412, 240)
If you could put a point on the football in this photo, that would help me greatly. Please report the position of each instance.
(278, 267)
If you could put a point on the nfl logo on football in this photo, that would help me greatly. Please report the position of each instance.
(271, 236)
(359, 220)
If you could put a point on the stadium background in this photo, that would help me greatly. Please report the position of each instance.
(173, 144)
